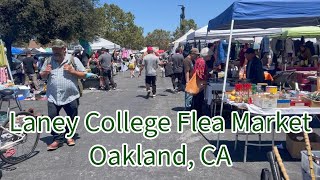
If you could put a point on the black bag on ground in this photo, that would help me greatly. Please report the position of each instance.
(265, 174)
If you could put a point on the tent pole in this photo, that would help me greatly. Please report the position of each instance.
(225, 75)
(205, 41)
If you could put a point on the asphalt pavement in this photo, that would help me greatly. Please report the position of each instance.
(72, 163)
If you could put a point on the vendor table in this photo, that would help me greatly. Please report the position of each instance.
(253, 109)
(212, 94)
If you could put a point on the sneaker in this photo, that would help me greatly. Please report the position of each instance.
(148, 93)
(153, 95)
(114, 88)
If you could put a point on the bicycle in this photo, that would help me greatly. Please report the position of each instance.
(11, 143)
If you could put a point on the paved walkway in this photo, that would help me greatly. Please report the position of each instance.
(72, 162)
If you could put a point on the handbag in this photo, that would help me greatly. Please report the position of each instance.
(137, 69)
(195, 85)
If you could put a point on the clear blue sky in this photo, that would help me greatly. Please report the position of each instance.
(165, 14)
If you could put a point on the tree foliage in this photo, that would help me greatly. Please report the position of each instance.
(119, 27)
(186, 26)
(159, 38)
(45, 20)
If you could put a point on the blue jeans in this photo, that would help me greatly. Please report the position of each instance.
(71, 110)
(188, 101)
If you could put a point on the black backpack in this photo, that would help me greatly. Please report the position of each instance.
(265, 174)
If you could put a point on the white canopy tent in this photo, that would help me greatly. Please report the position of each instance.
(181, 40)
(201, 34)
(103, 43)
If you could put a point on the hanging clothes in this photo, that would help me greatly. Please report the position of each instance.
(303, 40)
(3, 75)
(280, 45)
(241, 56)
(309, 45)
(233, 51)
(297, 44)
(265, 45)
(216, 56)
(273, 45)
(290, 48)
(317, 48)
(223, 45)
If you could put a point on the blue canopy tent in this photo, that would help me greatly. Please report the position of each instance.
(268, 14)
(16, 51)
(245, 14)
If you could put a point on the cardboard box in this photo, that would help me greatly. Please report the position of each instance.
(295, 145)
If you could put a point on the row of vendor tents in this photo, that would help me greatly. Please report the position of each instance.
(247, 34)
(97, 44)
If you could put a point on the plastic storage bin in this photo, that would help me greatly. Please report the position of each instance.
(305, 165)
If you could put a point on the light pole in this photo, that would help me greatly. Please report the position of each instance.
(182, 15)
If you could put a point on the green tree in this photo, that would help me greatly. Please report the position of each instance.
(119, 27)
(45, 20)
(186, 26)
(159, 38)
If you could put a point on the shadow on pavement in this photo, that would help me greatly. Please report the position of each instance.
(162, 95)
(178, 109)
(143, 96)
(169, 91)
(49, 139)
(141, 86)
(11, 167)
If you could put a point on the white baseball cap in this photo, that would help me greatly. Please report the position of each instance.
(206, 52)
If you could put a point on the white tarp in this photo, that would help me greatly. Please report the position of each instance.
(41, 50)
(103, 43)
(237, 33)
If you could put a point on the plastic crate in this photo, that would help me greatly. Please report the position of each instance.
(305, 164)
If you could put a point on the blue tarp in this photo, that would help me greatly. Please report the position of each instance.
(268, 14)
(16, 51)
